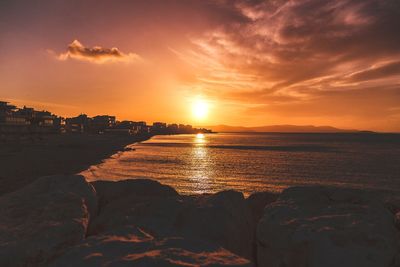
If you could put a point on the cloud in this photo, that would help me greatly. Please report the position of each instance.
(377, 72)
(96, 54)
(274, 53)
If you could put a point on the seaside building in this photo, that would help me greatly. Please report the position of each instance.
(185, 128)
(140, 127)
(124, 125)
(29, 121)
(26, 122)
(6, 108)
(102, 122)
(158, 127)
(8, 115)
(134, 127)
(121, 127)
(77, 124)
(173, 128)
(39, 118)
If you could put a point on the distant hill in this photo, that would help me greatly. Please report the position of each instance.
(279, 128)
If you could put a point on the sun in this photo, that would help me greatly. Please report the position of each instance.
(200, 109)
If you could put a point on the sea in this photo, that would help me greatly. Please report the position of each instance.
(252, 162)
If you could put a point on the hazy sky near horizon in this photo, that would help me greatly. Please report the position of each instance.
(254, 62)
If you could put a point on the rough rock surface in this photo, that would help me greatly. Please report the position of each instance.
(392, 203)
(257, 202)
(136, 189)
(221, 218)
(125, 202)
(40, 220)
(327, 227)
(118, 248)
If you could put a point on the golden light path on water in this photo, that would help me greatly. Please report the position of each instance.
(201, 171)
(208, 163)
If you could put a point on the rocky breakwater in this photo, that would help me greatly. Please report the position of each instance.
(66, 221)
(329, 227)
(39, 221)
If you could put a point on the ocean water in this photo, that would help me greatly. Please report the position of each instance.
(259, 162)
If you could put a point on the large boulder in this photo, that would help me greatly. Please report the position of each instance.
(125, 202)
(136, 189)
(257, 202)
(329, 227)
(42, 219)
(131, 246)
(392, 203)
(222, 218)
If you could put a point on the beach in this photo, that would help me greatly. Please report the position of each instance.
(21, 162)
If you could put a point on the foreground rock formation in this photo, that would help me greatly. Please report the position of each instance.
(132, 246)
(222, 218)
(66, 221)
(39, 221)
(321, 226)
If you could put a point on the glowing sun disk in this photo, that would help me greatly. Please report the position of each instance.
(200, 109)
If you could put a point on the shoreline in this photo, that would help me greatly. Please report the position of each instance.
(23, 162)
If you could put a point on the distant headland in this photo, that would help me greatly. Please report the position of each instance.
(283, 129)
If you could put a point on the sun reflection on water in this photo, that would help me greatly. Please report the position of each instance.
(200, 139)
(202, 169)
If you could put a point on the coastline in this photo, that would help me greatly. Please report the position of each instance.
(23, 162)
(64, 220)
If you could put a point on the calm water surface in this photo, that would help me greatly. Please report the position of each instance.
(259, 162)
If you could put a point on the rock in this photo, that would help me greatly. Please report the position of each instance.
(40, 220)
(257, 202)
(325, 226)
(397, 220)
(223, 218)
(133, 247)
(125, 202)
(109, 191)
(392, 203)
(155, 215)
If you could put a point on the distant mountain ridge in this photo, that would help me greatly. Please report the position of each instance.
(280, 129)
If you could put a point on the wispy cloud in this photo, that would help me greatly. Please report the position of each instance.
(97, 54)
(378, 71)
(309, 54)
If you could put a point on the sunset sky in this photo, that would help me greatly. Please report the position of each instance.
(250, 62)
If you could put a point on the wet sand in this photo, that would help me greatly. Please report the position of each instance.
(22, 162)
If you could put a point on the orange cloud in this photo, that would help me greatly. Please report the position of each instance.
(301, 61)
(96, 54)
